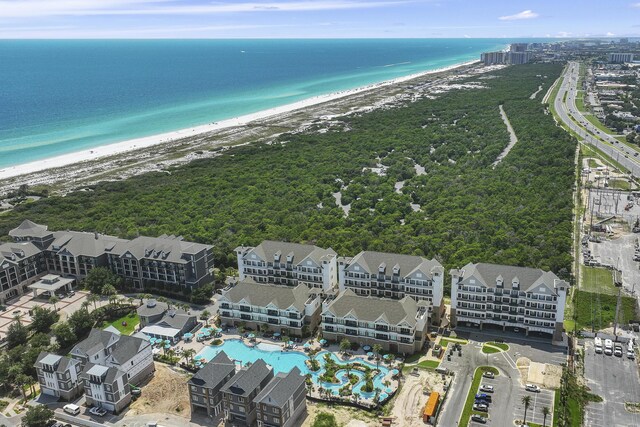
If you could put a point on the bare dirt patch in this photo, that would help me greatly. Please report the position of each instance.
(166, 393)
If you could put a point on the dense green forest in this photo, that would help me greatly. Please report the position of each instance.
(518, 213)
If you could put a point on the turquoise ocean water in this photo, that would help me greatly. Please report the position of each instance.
(57, 97)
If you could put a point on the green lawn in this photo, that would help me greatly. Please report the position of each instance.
(595, 279)
(598, 310)
(468, 405)
(132, 320)
(444, 342)
(597, 123)
(580, 101)
(490, 350)
(593, 164)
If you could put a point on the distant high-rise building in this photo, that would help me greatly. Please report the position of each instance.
(492, 58)
(517, 58)
(620, 57)
(518, 47)
(624, 40)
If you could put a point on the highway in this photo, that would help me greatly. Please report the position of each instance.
(568, 112)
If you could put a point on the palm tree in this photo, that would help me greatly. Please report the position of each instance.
(188, 354)
(377, 348)
(545, 413)
(85, 305)
(356, 397)
(110, 292)
(526, 401)
(345, 345)
(141, 298)
(53, 300)
(93, 298)
(21, 380)
(31, 383)
(205, 316)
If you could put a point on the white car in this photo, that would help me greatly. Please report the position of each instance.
(480, 407)
(532, 387)
(486, 388)
(97, 411)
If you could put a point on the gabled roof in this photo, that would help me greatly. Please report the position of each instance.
(176, 320)
(97, 341)
(16, 252)
(29, 229)
(108, 374)
(127, 348)
(163, 249)
(61, 363)
(268, 249)
(83, 243)
(247, 380)
(528, 278)
(371, 261)
(214, 372)
(370, 309)
(281, 296)
(281, 388)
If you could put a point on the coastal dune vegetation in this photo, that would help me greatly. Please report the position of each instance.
(417, 179)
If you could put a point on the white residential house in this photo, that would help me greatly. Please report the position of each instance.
(106, 387)
(527, 299)
(288, 264)
(394, 276)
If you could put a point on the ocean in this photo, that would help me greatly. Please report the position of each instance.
(62, 96)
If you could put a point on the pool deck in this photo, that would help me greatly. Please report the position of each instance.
(313, 392)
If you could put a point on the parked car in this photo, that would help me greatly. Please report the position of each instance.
(97, 411)
(486, 388)
(489, 375)
(532, 387)
(478, 418)
(483, 396)
(481, 407)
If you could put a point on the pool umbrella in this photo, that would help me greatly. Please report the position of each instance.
(167, 346)
(252, 336)
(387, 356)
(188, 335)
(290, 343)
(366, 348)
(394, 372)
(277, 334)
(369, 354)
(197, 357)
(167, 342)
(306, 345)
(323, 341)
(206, 333)
(152, 340)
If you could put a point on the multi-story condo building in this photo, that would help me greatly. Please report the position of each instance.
(620, 57)
(143, 262)
(282, 401)
(528, 299)
(399, 326)
(131, 355)
(59, 376)
(106, 387)
(288, 264)
(239, 393)
(20, 265)
(394, 276)
(293, 311)
(205, 385)
(493, 58)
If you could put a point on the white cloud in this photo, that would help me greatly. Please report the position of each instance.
(31, 8)
(636, 5)
(610, 34)
(525, 14)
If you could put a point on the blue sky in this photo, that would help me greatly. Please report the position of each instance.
(317, 18)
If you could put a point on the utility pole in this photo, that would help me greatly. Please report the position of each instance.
(615, 324)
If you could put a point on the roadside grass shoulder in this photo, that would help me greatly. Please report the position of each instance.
(494, 347)
(475, 384)
(487, 349)
(597, 311)
(429, 364)
(444, 342)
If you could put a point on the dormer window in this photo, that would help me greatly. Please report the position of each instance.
(396, 269)
(276, 256)
(515, 282)
(499, 281)
(381, 268)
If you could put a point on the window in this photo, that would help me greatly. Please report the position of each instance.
(194, 388)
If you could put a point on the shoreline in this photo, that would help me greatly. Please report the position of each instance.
(132, 145)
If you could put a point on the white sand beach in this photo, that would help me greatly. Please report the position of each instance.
(146, 142)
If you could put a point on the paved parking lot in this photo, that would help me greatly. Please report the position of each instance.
(499, 403)
(616, 380)
(538, 401)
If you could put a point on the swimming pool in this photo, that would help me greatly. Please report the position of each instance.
(284, 361)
